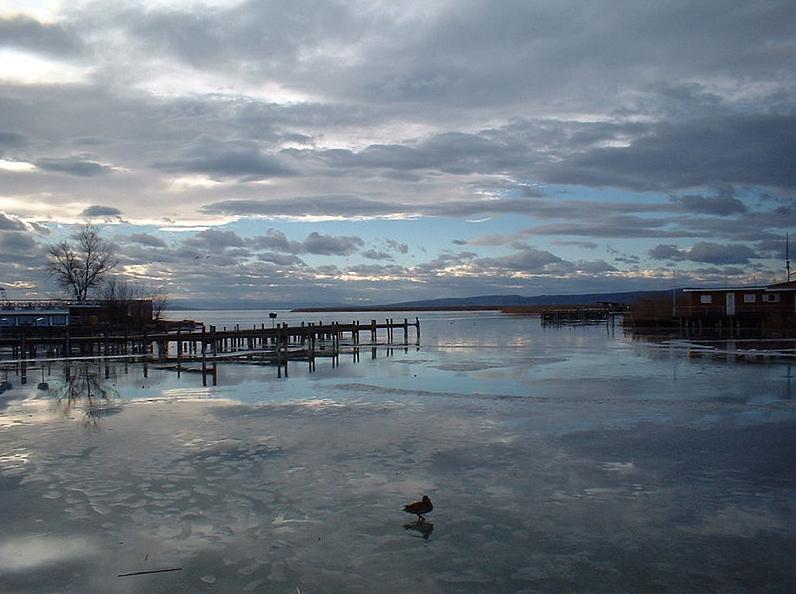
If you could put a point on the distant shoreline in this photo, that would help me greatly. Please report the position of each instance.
(398, 308)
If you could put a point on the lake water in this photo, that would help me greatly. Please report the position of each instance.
(571, 459)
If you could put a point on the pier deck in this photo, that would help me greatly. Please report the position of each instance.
(194, 340)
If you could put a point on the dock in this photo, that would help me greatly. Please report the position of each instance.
(193, 341)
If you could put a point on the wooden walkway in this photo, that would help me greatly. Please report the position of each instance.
(195, 341)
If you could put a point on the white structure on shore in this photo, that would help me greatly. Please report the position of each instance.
(33, 313)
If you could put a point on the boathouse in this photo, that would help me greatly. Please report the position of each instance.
(34, 313)
(770, 301)
(132, 312)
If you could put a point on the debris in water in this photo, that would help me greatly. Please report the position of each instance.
(149, 571)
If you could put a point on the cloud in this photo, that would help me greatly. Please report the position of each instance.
(278, 242)
(754, 149)
(314, 243)
(722, 205)
(10, 223)
(97, 210)
(147, 239)
(11, 140)
(557, 121)
(612, 226)
(280, 259)
(526, 259)
(225, 159)
(594, 266)
(16, 245)
(376, 255)
(705, 252)
(401, 248)
(76, 167)
(329, 205)
(214, 239)
(588, 245)
(29, 34)
(327, 245)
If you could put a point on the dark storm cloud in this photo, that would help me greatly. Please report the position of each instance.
(77, 167)
(705, 252)
(97, 210)
(29, 34)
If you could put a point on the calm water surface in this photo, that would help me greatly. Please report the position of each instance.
(566, 459)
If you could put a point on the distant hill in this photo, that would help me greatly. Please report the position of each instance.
(477, 302)
(505, 300)
(231, 304)
(499, 301)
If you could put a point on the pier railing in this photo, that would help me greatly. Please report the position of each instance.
(189, 339)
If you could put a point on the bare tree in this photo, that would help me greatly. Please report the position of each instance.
(117, 289)
(160, 300)
(81, 265)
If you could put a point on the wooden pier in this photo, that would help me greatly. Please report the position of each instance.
(194, 341)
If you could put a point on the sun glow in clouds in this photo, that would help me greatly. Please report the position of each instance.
(27, 69)
(44, 11)
(16, 166)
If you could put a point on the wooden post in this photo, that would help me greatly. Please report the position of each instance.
(179, 350)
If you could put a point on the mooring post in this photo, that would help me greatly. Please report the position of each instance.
(179, 352)
(417, 326)
(373, 331)
(406, 331)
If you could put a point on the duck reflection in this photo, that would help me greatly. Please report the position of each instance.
(85, 390)
(423, 527)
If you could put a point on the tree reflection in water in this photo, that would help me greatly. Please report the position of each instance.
(86, 391)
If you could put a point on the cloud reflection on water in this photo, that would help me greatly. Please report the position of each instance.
(598, 470)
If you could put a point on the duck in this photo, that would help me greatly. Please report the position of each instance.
(419, 508)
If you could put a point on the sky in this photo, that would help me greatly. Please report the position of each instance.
(365, 151)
